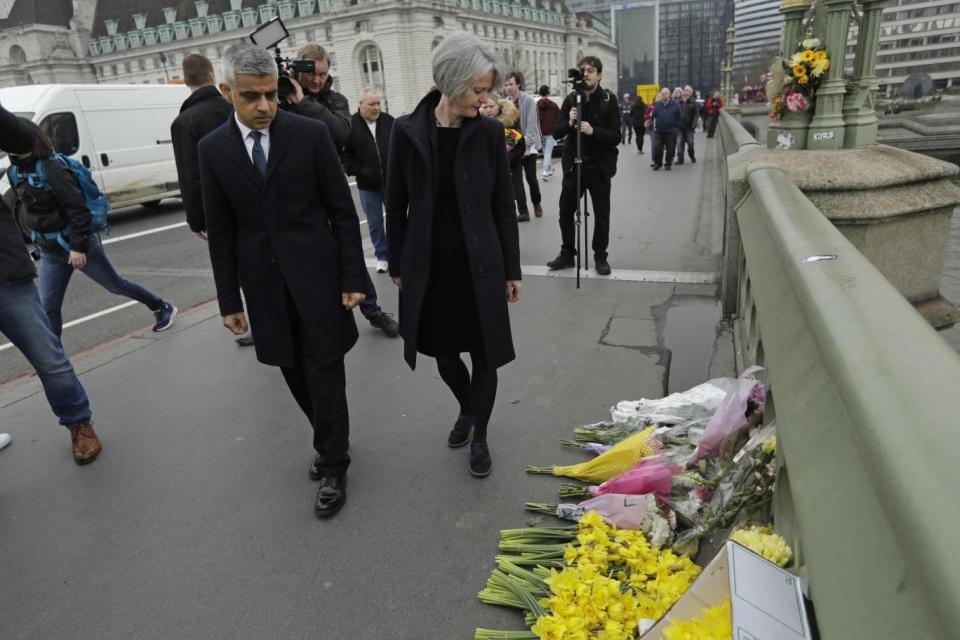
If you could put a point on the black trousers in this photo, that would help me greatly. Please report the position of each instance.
(516, 178)
(321, 391)
(641, 134)
(530, 171)
(664, 141)
(599, 188)
(712, 125)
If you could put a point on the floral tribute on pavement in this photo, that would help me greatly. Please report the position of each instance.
(665, 473)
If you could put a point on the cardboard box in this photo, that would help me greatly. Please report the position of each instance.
(766, 601)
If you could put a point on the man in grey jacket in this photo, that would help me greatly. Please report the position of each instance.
(530, 126)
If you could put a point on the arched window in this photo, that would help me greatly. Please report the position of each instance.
(371, 67)
(17, 55)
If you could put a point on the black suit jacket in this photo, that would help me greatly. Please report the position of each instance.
(365, 157)
(291, 239)
(201, 113)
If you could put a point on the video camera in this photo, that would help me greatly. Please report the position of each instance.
(576, 81)
(269, 35)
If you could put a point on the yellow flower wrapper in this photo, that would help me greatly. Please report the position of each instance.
(617, 459)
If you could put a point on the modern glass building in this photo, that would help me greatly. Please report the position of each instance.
(686, 47)
(758, 24)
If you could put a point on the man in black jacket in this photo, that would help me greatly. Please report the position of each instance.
(283, 226)
(201, 113)
(315, 98)
(205, 110)
(689, 114)
(365, 156)
(600, 135)
(24, 322)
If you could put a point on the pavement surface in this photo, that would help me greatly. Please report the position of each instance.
(197, 520)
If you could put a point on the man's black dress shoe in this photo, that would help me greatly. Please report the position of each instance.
(245, 341)
(331, 496)
(315, 468)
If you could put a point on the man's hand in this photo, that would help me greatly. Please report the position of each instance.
(396, 281)
(351, 300)
(236, 323)
(514, 287)
(77, 260)
(586, 128)
(297, 94)
(573, 114)
(202, 235)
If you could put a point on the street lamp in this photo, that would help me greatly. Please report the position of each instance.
(163, 61)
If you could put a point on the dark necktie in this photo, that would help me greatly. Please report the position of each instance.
(259, 157)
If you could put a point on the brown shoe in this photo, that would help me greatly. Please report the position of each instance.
(86, 445)
(538, 210)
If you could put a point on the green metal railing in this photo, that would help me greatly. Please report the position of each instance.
(866, 399)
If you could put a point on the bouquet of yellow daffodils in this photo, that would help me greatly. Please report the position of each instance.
(589, 582)
(713, 624)
(763, 541)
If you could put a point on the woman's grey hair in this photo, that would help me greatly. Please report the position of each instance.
(247, 59)
(460, 60)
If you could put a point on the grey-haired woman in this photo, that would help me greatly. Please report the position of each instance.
(452, 236)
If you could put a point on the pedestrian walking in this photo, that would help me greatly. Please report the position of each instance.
(548, 112)
(530, 126)
(638, 112)
(453, 236)
(365, 156)
(202, 112)
(314, 97)
(713, 107)
(60, 222)
(648, 127)
(689, 115)
(666, 124)
(296, 249)
(25, 323)
(626, 120)
(600, 137)
(509, 116)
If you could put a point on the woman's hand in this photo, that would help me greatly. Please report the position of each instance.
(513, 290)
(77, 260)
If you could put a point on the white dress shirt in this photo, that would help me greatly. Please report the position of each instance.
(245, 131)
(373, 128)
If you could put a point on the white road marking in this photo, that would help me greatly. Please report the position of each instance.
(92, 316)
(140, 234)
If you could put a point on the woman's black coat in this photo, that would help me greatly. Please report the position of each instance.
(487, 212)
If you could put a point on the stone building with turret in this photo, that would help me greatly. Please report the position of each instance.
(385, 43)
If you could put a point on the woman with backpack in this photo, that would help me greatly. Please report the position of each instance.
(60, 223)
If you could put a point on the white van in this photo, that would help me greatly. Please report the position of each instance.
(120, 132)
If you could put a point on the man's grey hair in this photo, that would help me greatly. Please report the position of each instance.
(247, 59)
(366, 92)
(460, 60)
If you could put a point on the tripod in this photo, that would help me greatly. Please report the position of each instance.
(582, 213)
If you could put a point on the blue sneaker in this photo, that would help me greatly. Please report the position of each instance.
(165, 316)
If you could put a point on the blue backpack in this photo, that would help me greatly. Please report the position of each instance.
(96, 202)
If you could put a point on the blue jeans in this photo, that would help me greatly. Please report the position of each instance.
(372, 203)
(55, 274)
(25, 324)
(548, 144)
(684, 139)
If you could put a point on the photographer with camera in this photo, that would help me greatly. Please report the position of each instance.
(313, 95)
(600, 135)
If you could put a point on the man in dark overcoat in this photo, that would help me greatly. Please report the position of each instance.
(281, 224)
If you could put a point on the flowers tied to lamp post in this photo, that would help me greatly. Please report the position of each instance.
(795, 80)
